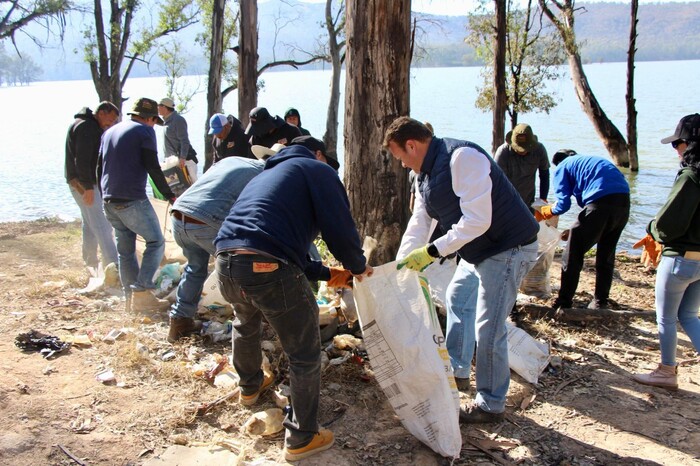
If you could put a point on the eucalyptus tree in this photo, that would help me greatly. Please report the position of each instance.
(116, 42)
(612, 138)
(335, 26)
(16, 15)
(532, 57)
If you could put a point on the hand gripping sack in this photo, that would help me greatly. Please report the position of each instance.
(408, 355)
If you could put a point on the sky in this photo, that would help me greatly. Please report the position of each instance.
(463, 7)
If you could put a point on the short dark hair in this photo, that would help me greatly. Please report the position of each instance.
(562, 154)
(404, 128)
(108, 107)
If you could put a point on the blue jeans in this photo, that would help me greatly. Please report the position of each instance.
(259, 286)
(96, 230)
(479, 299)
(197, 245)
(130, 219)
(677, 300)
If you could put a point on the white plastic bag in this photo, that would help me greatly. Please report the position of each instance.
(408, 355)
(526, 356)
(536, 282)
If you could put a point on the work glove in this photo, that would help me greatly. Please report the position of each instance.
(545, 213)
(417, 260)
(651, 252)
(340, 278)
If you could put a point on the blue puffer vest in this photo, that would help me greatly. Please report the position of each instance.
(512, 224)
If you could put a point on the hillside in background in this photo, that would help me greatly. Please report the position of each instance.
(666, 32)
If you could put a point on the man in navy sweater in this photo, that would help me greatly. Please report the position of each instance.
(262, 263)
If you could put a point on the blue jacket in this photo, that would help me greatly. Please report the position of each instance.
(282, 210)
(512, 224)
(210, 198)
(587, 178)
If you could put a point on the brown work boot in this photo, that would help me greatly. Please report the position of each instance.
(662, 377)
(142, 301)
(181, 327)
(322, 441)
(249, 400)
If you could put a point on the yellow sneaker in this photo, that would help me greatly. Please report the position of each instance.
(322, 441)
(249, 400)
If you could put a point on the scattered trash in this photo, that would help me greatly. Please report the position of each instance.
(168, 276)
(228, 379)
(78, 340)
(114, 335)
(266, 422)
(142, 350)
(112, 276)
(48, 370)
(217, 331)
(526, 356)
(107, 377)
(47, 345)
(280, 400)
(82, 425)
(168, 355)
(347, 342)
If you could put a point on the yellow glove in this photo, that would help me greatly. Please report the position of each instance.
(545, 212)
(651, 252)
(417, 260)
(340, 278)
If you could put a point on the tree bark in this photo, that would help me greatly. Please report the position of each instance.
(631, 109)
(376, 92)
(248, 59)
(216, 55)
(608, 133)
(500, 100)
(330, 138)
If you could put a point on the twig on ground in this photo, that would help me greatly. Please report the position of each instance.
(496, 458)
(567, 382)
(71, 455)
(628, 350)
(204, 408)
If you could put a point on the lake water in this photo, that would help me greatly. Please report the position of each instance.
(34, 120)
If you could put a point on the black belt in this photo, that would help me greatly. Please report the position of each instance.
(184, 218)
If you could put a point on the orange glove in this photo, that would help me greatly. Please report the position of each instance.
(538, 216)
(651, 252)
(340, 278)
(545, 212)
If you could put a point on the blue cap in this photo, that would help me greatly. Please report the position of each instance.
(217, 123)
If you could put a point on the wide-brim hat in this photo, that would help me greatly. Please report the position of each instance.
(521, 138)
(146, 108)
(264, 152)
(687, 129)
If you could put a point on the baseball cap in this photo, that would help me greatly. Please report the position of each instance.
(146, 108)
(167, 102)
(217, 123)
(521, 138)
(313, 145)
(688, 129)
(260, 122)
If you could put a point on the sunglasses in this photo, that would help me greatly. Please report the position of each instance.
(677, 143)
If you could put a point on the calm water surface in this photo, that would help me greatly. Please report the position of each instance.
(34, 120)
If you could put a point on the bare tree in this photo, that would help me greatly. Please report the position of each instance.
(248, 59)
(629, 98)
(112, 53)
(608, 133)
(335, 25)
(376, 92)
(15, 15)
(500, 100)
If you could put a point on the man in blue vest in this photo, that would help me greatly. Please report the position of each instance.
(483, 219)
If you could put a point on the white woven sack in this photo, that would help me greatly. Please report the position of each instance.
(408, 355)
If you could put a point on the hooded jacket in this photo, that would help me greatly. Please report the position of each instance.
(282, 210)
(82, 147)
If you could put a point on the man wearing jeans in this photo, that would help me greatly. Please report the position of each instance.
(128, 154)
(82, 147)
(483, 219)
(262, 261)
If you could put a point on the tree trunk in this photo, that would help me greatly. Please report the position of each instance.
(631, 110)
(216, 55)
(248, 60)
(330, 138)
(376, 92)
(607, 132)
(500, 100)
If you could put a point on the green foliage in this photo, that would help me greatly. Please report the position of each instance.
(533, 54)
(15, 15)
(174, 66)
(16, 70)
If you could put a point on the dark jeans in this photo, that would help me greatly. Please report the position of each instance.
(259, 286)
(600, 222)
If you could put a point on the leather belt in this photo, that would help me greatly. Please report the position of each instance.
(184, 218)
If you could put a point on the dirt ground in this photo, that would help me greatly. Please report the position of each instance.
(585, 410)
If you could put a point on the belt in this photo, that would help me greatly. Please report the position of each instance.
(530, 241)
(184, 218)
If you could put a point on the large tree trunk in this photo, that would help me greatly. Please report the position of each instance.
(330, 138)
(607, 132)
(248, 60)
(631, 110)
(216, 55)
(500, 100)
(376, 92)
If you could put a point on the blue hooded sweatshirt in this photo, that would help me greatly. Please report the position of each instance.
(282, 210)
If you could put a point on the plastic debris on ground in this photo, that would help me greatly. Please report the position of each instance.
(168, 276)
(263, 423)
(78, 340)
(47, 345)
(107, 377)
(217, 331)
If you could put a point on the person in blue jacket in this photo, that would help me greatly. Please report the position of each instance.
(603, 193)
(263, 266)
